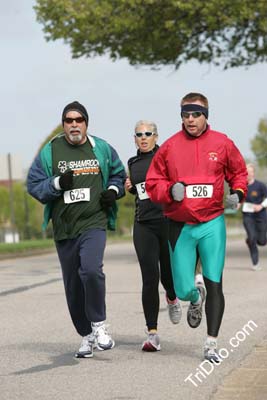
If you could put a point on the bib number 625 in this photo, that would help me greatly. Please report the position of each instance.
(76, 195)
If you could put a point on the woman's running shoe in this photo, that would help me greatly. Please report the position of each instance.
(152, 343)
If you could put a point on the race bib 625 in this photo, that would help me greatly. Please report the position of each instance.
(76, 195)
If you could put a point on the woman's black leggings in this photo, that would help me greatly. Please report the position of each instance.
(151, 246)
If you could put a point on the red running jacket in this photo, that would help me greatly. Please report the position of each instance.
(202, 164)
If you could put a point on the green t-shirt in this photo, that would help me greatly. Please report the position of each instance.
(79, 209)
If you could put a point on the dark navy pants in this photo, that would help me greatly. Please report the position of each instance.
(256, 228)
(81, 262)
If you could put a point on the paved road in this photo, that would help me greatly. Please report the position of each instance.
(37, 339)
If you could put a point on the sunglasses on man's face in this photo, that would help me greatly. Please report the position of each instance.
(194, 114)
(79, 120)
(146, 134)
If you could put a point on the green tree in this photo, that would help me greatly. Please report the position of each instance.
(126, 214)
(34, 220)
(4, 201)
(259, 143)
(28, 213)
(19, 207)
(159, 32)
(55, 132)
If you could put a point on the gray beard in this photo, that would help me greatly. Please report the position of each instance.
(75, 138)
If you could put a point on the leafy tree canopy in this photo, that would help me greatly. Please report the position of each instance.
(55, 132)
(259, 143)
(229, 33)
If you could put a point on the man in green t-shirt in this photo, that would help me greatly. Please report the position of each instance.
(79, 177)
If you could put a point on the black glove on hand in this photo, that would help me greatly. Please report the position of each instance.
(66, 180)
(107, 198)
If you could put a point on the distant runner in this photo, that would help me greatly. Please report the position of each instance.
(254, 216)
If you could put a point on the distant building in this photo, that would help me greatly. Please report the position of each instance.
(10, 172)
(8, 236)
(13, 161)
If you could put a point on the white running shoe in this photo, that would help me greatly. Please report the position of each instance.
(194, 312)
(103, 340)
(152, 343)
(86, 348)
(199, 280)
(174, 310)
(256, 267)
(210, 352)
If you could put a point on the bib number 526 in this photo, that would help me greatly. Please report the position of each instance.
(199, 191)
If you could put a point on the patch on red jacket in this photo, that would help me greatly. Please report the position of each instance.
(213, 156)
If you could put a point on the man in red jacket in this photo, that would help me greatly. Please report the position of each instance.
(187, 176)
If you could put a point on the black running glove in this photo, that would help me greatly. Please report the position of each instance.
(107, 198)
(66, 180)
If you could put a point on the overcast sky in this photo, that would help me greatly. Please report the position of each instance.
(39, 78)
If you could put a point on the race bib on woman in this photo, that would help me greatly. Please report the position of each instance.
(141, 191)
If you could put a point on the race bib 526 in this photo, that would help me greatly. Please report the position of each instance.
(199, 191)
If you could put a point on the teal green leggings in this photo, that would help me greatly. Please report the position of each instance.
(209, 239)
